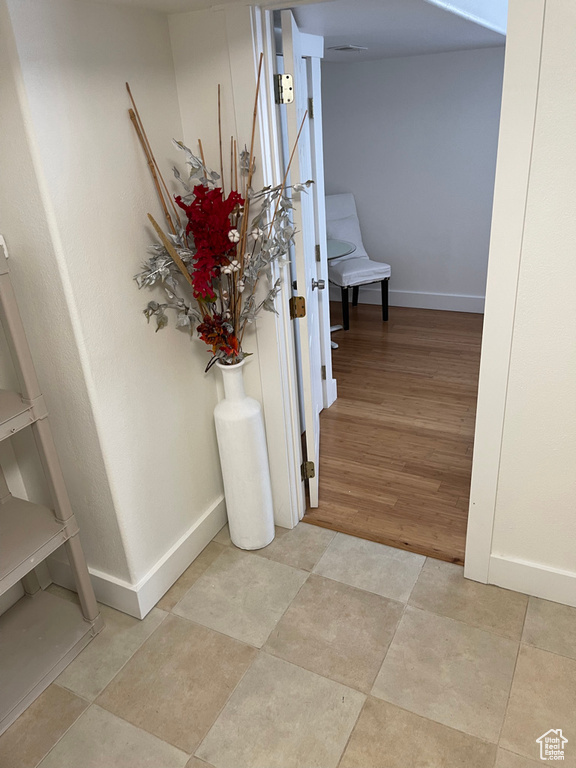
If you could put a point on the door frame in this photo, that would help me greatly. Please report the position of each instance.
(517, 121)
(276, 339)
(517, 124)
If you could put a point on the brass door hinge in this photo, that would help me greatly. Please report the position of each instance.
(308, 470)
(317, 252)
(284, 89)
(323, 369)
(297, 307)
(311, 108)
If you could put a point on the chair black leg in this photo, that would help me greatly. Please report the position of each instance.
(345, 312)
(385, 300)
(355, 291)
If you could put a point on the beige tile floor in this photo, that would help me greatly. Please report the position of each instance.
(320, 651)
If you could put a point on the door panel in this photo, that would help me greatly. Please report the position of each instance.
(304, 256)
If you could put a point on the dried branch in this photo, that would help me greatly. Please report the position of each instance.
(202, 156)
(152, 170)
(220, 144)
(231, 163)
(150, 153)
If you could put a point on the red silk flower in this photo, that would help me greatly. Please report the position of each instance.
(209, 222)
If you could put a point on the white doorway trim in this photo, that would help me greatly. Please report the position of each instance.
(278, 376)
(517, 120)
(276, 339)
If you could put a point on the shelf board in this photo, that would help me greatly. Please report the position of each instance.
(39, 637)
(28, 534)
(15, 414)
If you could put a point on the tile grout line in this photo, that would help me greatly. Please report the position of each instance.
(171, 610)
(167, 613)
(203, 739)
(437, 722)
(114, 714)
(466, 624)
(258, 649)
(428, 719)
(83, 698)
(138, 728)
(513, 675)
(292, 664)
(547, 650)
(67, 729)
(145, 730)
(352, 731)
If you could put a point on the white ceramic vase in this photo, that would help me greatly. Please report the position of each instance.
(244, 461)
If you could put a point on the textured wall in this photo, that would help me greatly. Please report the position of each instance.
(132, 409)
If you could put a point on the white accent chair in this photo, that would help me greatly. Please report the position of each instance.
(357, 268)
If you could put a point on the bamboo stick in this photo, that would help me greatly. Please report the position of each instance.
(141, 124)
(241, 251)
(220, 145)
(254, 115)
(231, 163)
(152, 170)
(235, 165)
(251, 165)
(171, 250)
(202, 154)
(287, 171)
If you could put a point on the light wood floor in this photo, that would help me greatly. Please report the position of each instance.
(396, 446)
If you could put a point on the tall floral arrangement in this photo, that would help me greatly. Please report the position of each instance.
(219, 246)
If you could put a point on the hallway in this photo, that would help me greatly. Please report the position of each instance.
(396, 446)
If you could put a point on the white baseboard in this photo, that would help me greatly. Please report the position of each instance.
(139, 599)
(533, 579)
(330, 392)
(450, 302)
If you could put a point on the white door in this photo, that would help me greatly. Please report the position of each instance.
(305, 270)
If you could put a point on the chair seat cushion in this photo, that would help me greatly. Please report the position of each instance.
(349, 272)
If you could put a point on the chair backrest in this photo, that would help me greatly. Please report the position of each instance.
(340, 206)
(342, 222)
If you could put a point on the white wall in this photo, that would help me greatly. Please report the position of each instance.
(415, 140)
(524, 478)
(132, 410)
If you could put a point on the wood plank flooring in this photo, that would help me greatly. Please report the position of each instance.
(396, 446)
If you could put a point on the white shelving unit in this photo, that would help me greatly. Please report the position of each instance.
(41, 633)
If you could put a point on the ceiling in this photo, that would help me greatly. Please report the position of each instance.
(389, 28)
(166, 6)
